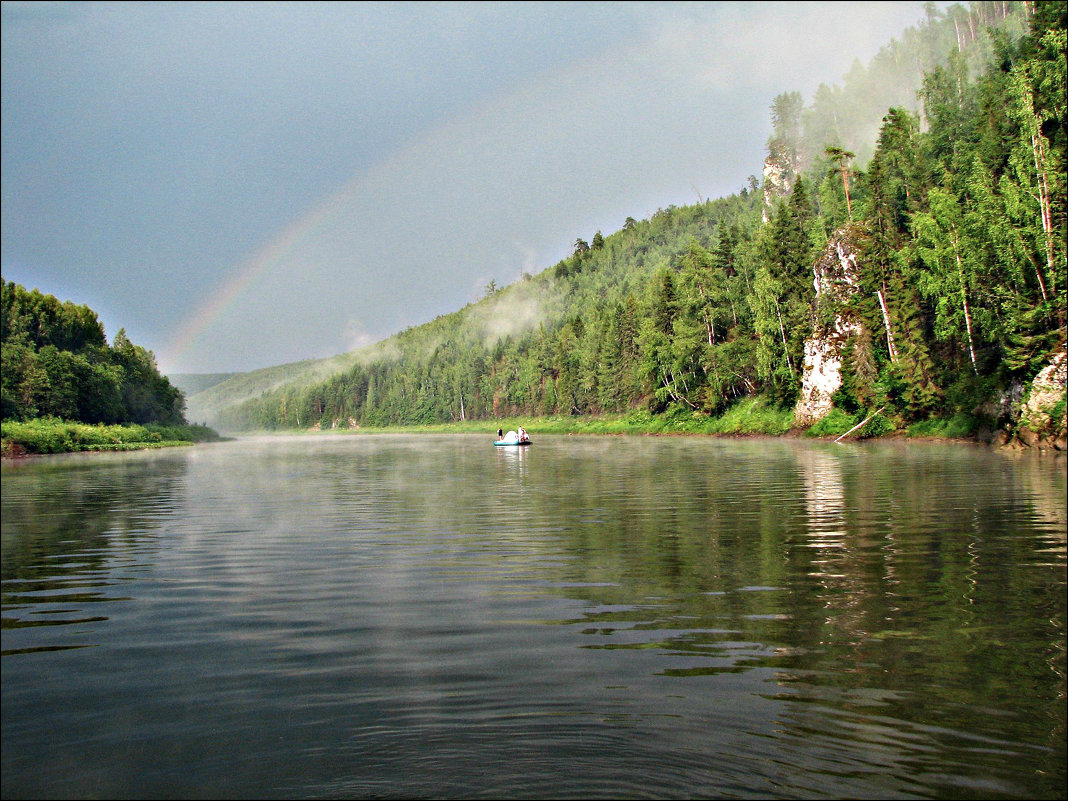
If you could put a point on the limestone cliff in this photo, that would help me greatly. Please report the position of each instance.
(835, 281)
(776, 184)
(781, 169)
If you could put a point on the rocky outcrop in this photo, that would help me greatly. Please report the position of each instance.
(1042, 422)
(835, 281)
(781, 168)
(776, 183)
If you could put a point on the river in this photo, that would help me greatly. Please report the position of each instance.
(412, 616)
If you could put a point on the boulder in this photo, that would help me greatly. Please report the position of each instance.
(1042, 421)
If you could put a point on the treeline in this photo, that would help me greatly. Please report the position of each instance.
(958, 223)
(57, 363)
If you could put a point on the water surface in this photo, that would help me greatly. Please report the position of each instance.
(431, 616)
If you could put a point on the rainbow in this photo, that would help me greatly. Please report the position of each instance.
(299, 233)
(249, 273)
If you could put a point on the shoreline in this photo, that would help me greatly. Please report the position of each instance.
(641, 425)
(53, 436)
(534, 429)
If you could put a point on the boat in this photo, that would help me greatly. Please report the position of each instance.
(512, 438)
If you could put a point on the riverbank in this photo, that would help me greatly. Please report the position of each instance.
(51, 435)
(753, 417)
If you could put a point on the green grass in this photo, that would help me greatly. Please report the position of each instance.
(753, 416)
(958, 426)
(52, 435)
(749, 416)
(836, 423)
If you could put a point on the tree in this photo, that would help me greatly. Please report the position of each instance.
(940, 241)
(900, 166)
(1038, 105)
(56, 362)
(660, 364)
(842, 158)
(774, 361)
(785, 140)
(896, 190)
(706, 286)
(951, 110)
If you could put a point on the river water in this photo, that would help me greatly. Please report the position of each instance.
(394, 616)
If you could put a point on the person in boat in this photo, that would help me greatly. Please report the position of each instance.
(522, 434)
(500, 434)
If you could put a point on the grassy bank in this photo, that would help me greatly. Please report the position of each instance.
(52, 435)
(749, 417)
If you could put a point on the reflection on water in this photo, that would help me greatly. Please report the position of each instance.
(398, 616)
(72, 538)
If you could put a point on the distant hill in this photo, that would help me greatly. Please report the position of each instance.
(206, 398)
(192, 383)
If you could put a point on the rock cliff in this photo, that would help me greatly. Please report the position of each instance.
(835, 281)
(781, 168)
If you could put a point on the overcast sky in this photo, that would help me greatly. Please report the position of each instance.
(241, 185)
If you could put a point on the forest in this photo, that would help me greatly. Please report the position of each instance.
(957, 218)
(57, 364)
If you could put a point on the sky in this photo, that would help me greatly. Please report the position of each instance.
(243, 185)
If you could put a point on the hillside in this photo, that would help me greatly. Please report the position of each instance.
(613, 266)
(959, 297)
(211, 401)
(192, 383)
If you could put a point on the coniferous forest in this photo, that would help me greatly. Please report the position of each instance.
(957, 222)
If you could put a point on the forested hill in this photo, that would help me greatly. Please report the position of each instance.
(57, 363)
(956, 226)
(192, 383)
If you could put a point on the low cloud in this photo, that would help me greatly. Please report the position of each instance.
(511, 312)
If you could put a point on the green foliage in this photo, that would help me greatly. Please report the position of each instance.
(754, 415)
(879, 425)
(45, 435)
(837, 422)
(958, 426)
(56, 363)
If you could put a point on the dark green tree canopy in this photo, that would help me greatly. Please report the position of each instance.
(56, 362)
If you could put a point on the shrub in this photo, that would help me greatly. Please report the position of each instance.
(876, 427)
(53, 435)
(958, 426)
(836, 422)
